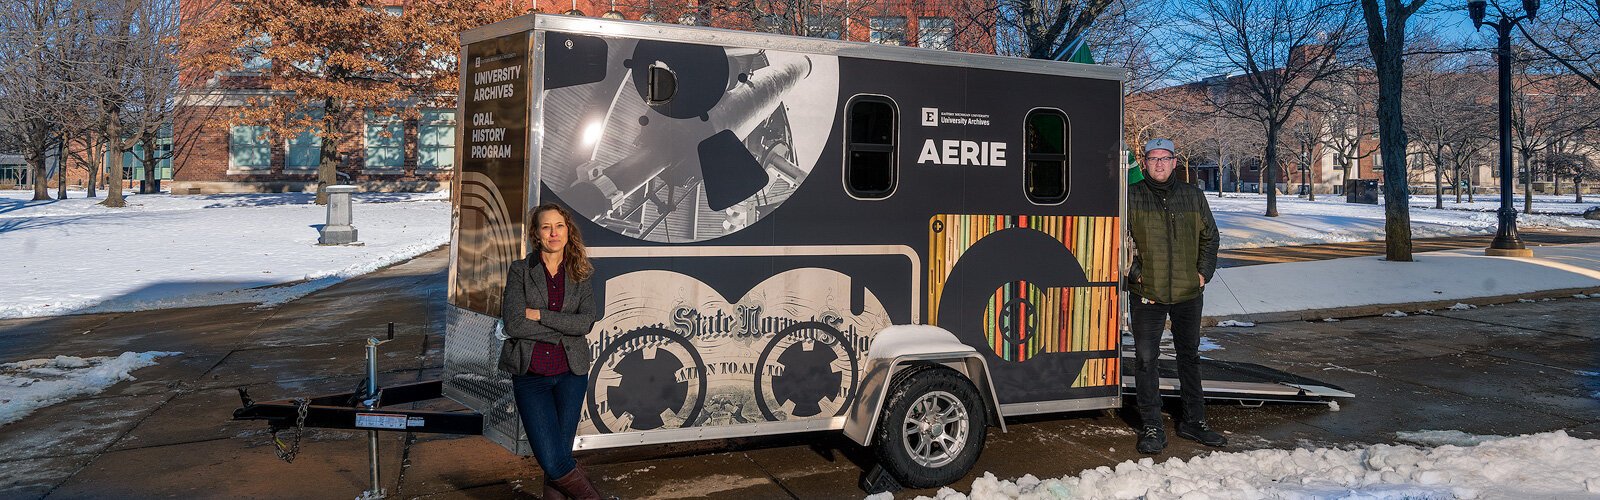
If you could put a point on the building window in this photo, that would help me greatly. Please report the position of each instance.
(133, 161)
(1046, 156)
(870, 162)
(253, 57)
(888, 30)
(823, 26)
(304, 150)
(436, 139)
(936, 33)
(249, 148)
(386, 142)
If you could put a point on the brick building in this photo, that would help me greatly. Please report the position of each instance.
(213, 155)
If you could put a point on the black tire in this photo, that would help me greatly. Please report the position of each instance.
(949, 393)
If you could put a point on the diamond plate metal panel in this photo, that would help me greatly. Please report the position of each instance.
(473, 377)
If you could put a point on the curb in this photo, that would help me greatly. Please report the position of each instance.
(1379, 309)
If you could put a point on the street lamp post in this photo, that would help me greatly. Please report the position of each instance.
(1305, 179)
(1506, 242)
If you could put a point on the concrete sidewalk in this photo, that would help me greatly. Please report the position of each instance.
(1366, 286)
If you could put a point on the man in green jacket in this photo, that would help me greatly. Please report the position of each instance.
(1175, 254)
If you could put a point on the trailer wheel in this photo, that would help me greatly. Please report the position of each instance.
(933, 427)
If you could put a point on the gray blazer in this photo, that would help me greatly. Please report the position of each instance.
(527, 288)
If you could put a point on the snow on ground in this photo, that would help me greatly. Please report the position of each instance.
(1363, 281)
(75, 256)
(1548, 465)
(1542, 203)
(26, 386)
(1331, 220)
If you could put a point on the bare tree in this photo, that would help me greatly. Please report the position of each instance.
(1579, 165)
(1286, 50)
(1548, 107)
(1443, 107)
(1386, 40)
(34, 36)
(788, 17)
(1305, 135)
(1045, 29)
(1568, 33)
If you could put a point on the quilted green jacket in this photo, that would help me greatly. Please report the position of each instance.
(1174, 239)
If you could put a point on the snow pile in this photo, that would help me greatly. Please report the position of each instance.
(1462, 307)
(1228, 322)
(1395, 314)
(26, 386)
(1534, 466)
(163, 251)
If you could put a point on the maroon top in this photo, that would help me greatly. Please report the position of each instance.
(551, 359)
(556, 287)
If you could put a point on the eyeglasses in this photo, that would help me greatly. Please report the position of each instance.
(1156, 159)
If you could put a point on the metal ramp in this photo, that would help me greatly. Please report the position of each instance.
(1235, 381)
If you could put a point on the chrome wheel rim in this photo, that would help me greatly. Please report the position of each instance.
(935, 429)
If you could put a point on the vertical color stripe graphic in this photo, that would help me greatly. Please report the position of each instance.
(1022, 320)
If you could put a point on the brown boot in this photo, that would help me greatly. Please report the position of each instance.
(576, 485)
(551, 492)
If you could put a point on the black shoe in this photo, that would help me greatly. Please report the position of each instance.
(1152, 440)
(1200, 433)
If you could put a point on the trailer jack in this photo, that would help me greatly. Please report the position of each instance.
(362, 409)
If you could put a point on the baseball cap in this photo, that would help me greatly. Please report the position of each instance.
(1155, 144)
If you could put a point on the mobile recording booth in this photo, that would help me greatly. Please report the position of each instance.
(797, 234)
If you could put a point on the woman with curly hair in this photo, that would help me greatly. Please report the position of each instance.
(548, 309)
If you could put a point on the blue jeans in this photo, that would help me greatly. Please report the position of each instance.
(549, 408)
(1147, 321)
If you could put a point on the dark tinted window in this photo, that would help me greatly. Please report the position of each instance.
(1046, 156)
(870, 153)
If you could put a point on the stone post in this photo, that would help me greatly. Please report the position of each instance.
(338, 230)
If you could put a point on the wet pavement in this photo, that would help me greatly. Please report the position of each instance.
(1509, 369)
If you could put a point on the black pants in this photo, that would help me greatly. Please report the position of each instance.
(1148, 319)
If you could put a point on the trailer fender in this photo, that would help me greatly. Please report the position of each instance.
(900, 347)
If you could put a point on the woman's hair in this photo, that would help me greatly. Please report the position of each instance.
(574, 257)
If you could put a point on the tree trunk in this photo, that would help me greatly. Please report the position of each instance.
(114, 170)
(94, 170)
(1439, 185)
(41, 186)
(149, 186)
(61, 169)
(328, 168)
(1392, 146)
(1271, 180)
(1455, 171)
(1527, 183)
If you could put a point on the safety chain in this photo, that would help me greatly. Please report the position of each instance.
(287, 453)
